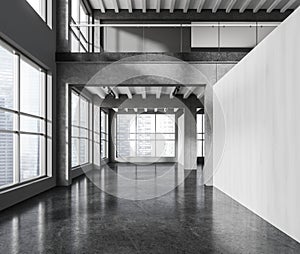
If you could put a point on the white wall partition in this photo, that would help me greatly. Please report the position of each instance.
(260, 167)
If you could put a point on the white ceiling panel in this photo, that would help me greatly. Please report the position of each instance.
(193, 5)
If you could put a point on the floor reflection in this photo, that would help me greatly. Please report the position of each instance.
(191, 218)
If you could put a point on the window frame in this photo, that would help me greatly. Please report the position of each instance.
(45, 151)
(155, 134)
(105, 134)
(79, 127)
(76, 32)
(202, 133)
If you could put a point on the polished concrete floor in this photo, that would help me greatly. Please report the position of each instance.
(191, 218)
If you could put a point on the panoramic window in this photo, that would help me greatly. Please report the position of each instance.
(25, 129)
(43, 8)
(104, 135)
(96, 139)
(80, 129)
(200, 135)
(145, 135)
(80, 36)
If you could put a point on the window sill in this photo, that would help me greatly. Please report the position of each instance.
(24, 184)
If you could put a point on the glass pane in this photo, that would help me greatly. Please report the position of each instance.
(145, 136)
(165, 148)
(7, 78)
(96, 138)
(126, 136)
(146, 123)
(84, 113)
(32, 80)
(7, 148)
(75, 152)
(30, 124)
(162, 136)
(97, 154)
(199, 148)
(97, 119)
(126, 123)
(75, 10)
(200, 136)
(84, 150)
(199, 123)
(165, 123)
(126, 148)
(83, 133)
(75, 109)
(8, 121)
(74, 43)
(30, 156)
(145, 148)
(75, 132)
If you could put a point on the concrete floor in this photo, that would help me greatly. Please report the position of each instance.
(190, 219)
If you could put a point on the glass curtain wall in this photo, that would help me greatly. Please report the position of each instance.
(200, 135)
(97, 135)
(104, 135)
(145, 135)
(80, 129)
(25, 122)
(80, 36)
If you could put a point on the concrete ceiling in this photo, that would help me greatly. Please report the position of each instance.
(102, 92)
(199, 5)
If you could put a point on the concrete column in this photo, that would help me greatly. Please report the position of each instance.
(208, 163)
(63, 135)
(190, 138)
(63, 20)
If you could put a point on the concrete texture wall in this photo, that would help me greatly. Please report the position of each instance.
(260, 102)
(81, 73)
(150, 39)
(23, 28)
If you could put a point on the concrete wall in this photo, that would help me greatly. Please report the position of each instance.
(260, 100)
(150, 39)
(23, 28)
(79, 73)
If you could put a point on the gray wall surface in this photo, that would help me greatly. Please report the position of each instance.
(260, 101)
(150, 39)
(23, 28)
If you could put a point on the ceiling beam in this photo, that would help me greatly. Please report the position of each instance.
(172, 92)
(116, 6)
(144, 93)
(259, 5)
(201, 93)
(200, 5)
(102, 8)
(115, 91)
(128, 92)
(189, 92)
(101, 92)
(186, 6)
(144, 6)
(230, 5)
(157, 6)
(273, 6)
(158, 92)
(129, 4)
(172, 6)
(216, 6)
(287, 6)
(245, 6)
(151, 15)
